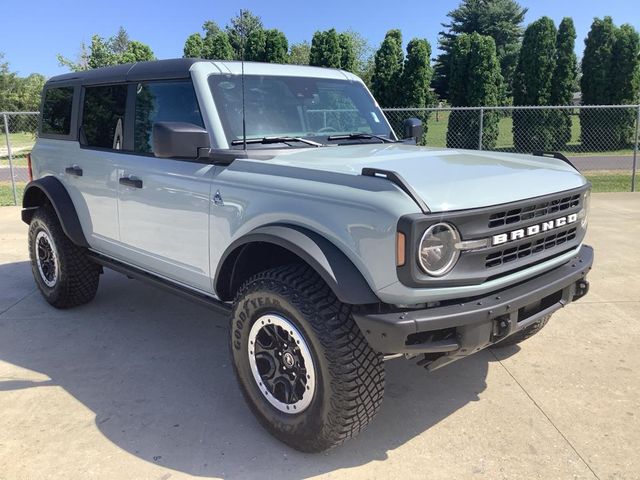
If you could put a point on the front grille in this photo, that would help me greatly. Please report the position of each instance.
(534, 210)
(528, 249)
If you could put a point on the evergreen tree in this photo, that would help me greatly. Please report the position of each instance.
(325, 49)
(254, 49)
(239, 29)
(416, 78)
(387, 71)
(499, 19)
(609, 76)
(563, 82)
(625, 82)
(475, 80)
(276, 46)
(347, 52)
(217, 47)
(532, 129)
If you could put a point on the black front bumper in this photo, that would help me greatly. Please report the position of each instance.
(452, 331)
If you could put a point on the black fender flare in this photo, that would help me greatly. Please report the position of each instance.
(52, 189)
(335, 268)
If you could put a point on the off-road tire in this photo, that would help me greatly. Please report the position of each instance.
(349, 374)
(523, 334)
(78, 276)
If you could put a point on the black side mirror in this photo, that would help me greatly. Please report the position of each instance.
(178, 139)
(413, 128)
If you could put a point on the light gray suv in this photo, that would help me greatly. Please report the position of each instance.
(283, 198)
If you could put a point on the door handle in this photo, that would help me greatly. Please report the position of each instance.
(76, 171)
(131, 182)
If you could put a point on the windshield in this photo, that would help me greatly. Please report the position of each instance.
(310, 108)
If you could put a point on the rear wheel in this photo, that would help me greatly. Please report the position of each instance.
(523, 334)
(64, 274)
(303, 366)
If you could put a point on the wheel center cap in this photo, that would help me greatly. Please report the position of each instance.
(288, 359)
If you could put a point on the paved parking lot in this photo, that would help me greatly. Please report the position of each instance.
(138, 384)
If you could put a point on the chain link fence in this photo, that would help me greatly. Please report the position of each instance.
(18, 133)
(600, 140)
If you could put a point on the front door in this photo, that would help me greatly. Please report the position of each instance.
(163, 204)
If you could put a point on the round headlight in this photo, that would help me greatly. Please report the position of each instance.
(438, 253)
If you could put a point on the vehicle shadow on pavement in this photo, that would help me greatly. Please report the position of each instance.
(155, 370)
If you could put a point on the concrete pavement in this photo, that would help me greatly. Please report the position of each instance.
(138, 384)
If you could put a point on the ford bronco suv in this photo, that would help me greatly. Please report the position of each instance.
(281, 196)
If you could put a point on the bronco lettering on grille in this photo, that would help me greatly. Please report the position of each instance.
(533, 229)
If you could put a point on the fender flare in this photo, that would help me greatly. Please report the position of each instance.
(335, 268)
(54, 191)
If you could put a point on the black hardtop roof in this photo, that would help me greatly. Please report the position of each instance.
(128, 72)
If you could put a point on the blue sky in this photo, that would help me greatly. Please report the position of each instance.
(33, 31)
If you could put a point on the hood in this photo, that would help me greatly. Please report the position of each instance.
(446, 179)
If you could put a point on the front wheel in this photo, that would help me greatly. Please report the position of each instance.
(303, 366)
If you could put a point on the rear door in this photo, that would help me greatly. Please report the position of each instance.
(163, 204)
(90, 174)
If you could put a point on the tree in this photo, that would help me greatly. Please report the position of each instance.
(499, 19)
(532, 129)
(217, 47)
(625, 82)
(19, 94)
(563, 82)
(136, 52)
(475, 80)
(325, 49)
(239, 29)
(416, 78)
(387, 71)
(347, 52)
(609, 76)
(276, 46)
(194, 46)
(299, 53)
(254, 50)
(111, 51)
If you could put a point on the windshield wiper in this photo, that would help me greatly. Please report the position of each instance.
(268, 140)
(359, 135)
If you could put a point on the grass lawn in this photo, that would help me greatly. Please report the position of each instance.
(6, 193)
(603, 181)
(437, 136)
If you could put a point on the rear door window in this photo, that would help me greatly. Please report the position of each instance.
(103, 116)
(173, 101)
(56, 111)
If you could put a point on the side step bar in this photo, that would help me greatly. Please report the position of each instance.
(182, 291)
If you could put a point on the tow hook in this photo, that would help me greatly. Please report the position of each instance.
(582, 288)
(501, 328)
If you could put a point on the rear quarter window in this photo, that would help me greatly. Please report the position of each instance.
(56, 111)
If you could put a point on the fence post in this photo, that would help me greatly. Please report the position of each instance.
(481, 128)
(635, 153)
(13, 177)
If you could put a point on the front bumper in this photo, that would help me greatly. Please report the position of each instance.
(449, 332)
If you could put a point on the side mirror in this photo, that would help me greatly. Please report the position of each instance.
(413, 128)
(178, 139)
